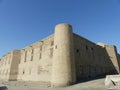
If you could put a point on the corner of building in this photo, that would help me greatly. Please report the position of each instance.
(113, 55)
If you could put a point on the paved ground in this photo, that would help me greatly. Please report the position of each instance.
(97, 84)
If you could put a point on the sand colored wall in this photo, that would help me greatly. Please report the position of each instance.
(9, 65)
(61, 59)
(14, 65)
(63, 67)
(118, 56)
(119, 60)
(36, 61)
(112, 53)
(5, 66)
(93, 60)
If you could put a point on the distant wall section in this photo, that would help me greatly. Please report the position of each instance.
(36, 61)
(9, 65)
(93, 60)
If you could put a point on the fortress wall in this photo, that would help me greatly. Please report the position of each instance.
(119, 60)
(91, 59)
(60, 59)
(14, 65)
(5, 65)
(119, 56)
(36, 61)
(112, 53)
(63, 67)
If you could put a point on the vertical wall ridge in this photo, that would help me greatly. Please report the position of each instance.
(63, 68)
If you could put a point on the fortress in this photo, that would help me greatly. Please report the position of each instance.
(61, 59)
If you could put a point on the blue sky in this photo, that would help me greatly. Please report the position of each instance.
(23, 22)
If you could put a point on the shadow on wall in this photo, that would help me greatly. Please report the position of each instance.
(3, 88)
(111, 69)
(100, 66)
(118, 56)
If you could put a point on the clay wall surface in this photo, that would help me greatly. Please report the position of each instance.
(8, 65)
(5, 64)
(91, 59)
(119, 56)
(118, 60)
(60, 59)
(112, 53)
(63, 67)
(14, 65)
(36, 61)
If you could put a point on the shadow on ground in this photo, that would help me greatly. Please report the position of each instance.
(3, 88)
(90, 79)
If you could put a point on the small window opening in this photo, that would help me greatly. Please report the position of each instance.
(56, 47)
(92, 49)
(40, 48)
(41, 45)
(32, 53)
(31, 57)
(25, 56)
(40, 56)
(86, 47)
(51, 52)
(77, 50)
(23, 72)
(52, 43)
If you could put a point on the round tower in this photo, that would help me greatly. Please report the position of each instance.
(63, 64)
